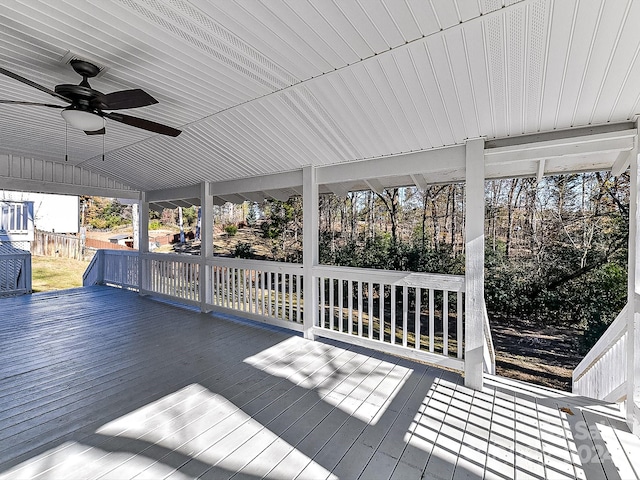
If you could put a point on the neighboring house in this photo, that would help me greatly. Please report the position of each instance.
(50, 213)
(16, 235)
(16, 224)
(122, 239)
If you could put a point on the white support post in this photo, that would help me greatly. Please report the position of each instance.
(633, 321)
(474, 264)
(310, 256)
(143, 242)
(206, 244)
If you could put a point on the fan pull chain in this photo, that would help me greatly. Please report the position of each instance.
(66, 148)
(103, 135)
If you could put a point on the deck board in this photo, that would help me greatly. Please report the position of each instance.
(99, 383)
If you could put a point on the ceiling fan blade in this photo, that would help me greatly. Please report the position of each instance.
(143, 124)
(96, 132)
(128, 99)
(17, 102)
(26, 81)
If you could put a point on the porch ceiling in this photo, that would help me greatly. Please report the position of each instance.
(267, 87)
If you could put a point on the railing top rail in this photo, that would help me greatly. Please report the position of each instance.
(14, 256)
(453, 283)
(130, 253)
(615, 331)
(255, 264)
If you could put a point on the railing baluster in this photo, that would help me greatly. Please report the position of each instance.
(392, 323)
(460, 323)
(289, 278)
(381, 320)
(360, 308)
(445, 322)
(332, 316)
(405, 313)
(370, 302)
(263, 284)
(431, 321)
(350, 314)
(340, 305)
(298, 298)
(322, 301)
(418, 322)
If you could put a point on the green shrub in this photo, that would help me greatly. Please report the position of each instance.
(231, 229)
(243, 250)
(155, 225)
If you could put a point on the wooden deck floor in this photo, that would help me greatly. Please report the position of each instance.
(101, 383)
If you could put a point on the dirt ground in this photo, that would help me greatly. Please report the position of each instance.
(545, 357)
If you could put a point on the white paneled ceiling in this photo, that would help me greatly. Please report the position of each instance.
(261, 87)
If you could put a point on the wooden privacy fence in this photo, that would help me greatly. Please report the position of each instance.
(47, 244)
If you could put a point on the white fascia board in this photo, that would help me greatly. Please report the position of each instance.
(424, 162)
(262, 183)
(35, 186)
(178, 193)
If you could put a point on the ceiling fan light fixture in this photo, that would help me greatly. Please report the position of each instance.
(83, 120)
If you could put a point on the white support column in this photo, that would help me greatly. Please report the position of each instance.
(633, 321)
(474, 264)
(310, 255)
(143, 241)
(206, 244)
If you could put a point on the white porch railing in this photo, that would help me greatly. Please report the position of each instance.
(602, 374)
(173, 276)
(488, 352)
(266, 291)
(15, 272)
(416, 315)
(113, 267)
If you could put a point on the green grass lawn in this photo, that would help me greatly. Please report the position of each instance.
(53, 273)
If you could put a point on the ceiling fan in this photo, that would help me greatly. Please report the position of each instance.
(90, 107)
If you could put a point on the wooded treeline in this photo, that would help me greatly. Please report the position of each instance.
(556, 250)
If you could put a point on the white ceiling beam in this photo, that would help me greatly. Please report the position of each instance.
(259, 184)
(419, 181)
(338, 189)
(232, 198)
(281, 195)
(622, 163)
(540, 170)
(597, 143)
(155, 207)
(178, 193)
(257, 197)
(375, 185)
(426, 161)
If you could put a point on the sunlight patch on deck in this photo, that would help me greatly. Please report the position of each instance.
(206, 428)
(502, 434)
(365, 393)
